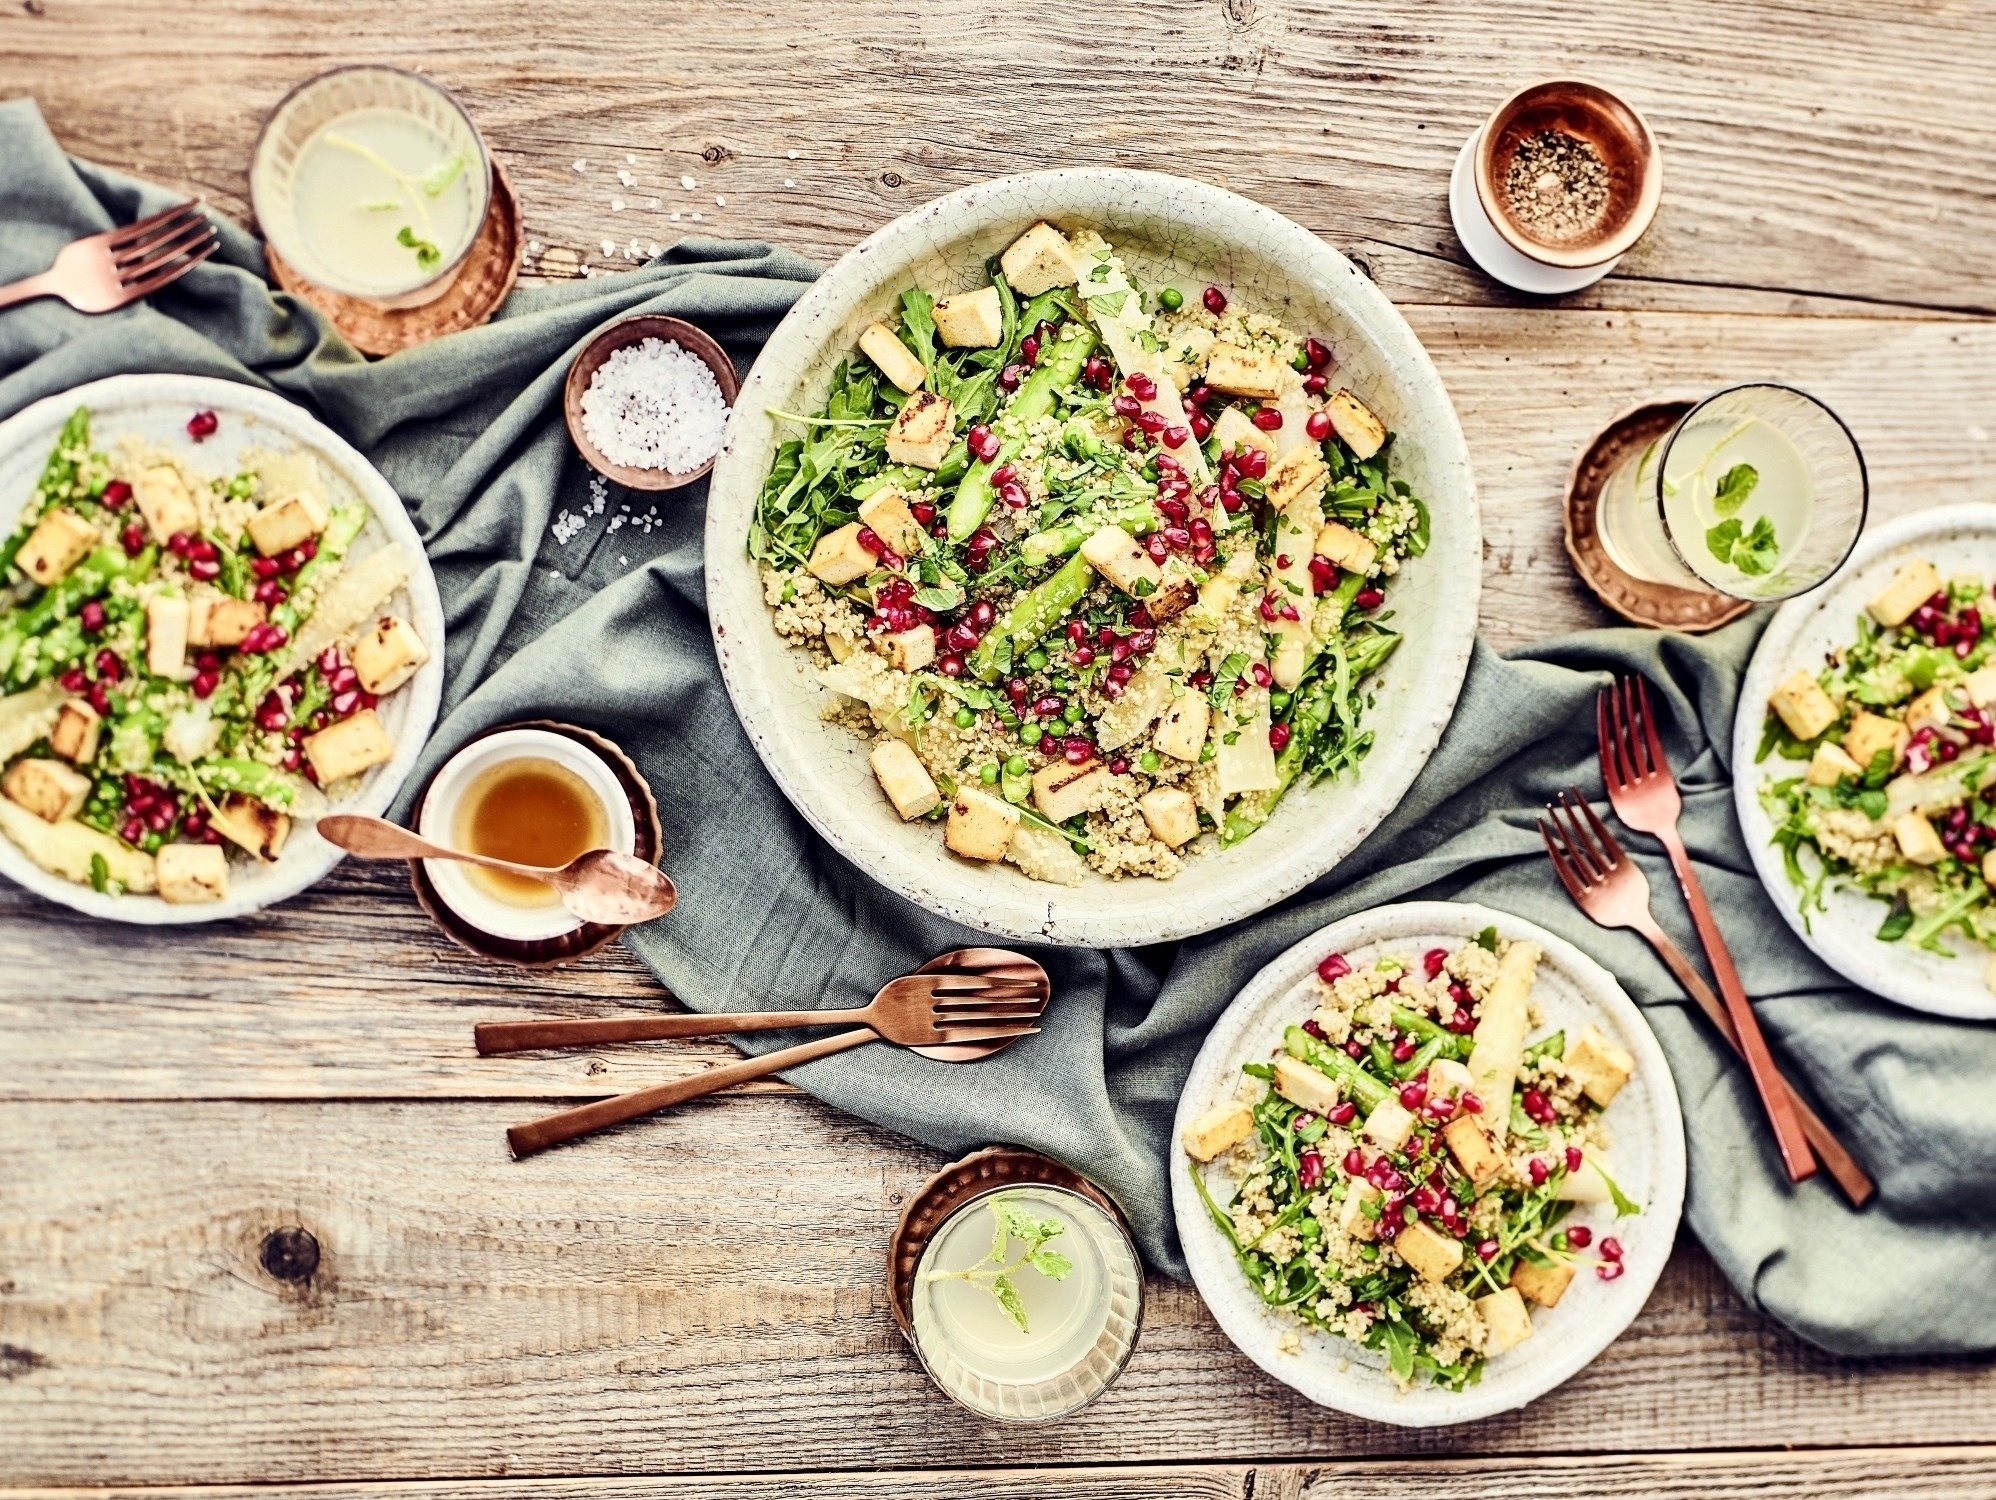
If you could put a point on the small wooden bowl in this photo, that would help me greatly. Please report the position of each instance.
(1607, 122)
(635, 330)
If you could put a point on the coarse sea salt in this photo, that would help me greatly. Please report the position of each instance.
(654, 405)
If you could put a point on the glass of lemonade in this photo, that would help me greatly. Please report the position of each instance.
(1759, 492)
(373, 183)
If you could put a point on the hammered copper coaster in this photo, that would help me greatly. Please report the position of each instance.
(1658, 605)
(488, 274)
(545, 953)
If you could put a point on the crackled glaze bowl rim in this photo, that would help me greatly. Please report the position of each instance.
(829, 782)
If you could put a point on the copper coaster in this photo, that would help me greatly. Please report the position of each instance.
(487, 275)
(545, 953)
(1661, 606)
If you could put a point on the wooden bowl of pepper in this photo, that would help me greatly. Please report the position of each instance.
(1569, 173)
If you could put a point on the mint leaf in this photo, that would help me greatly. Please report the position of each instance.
(428, 256)
(1758, 552)
(938, 598)
(1720, 540)
(444, 173)
(1222, 691)
(1050, 1263)
(1734, 486)
(1009, 1299)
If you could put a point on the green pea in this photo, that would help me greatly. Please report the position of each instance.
(1077, 846)
(1031, 733)
(1036, 660)
(1278, 703)
(965, 718)
(1073, 713)
(1016, 766)
(1171, 299)
(1300, 360)
(1149, 760)
(988, 774)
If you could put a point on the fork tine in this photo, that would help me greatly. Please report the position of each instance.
(979, 1034)
(984, 1023)
(136, 249)
(1612, 851)
(977, 1004)
(157, 254)
(1567, 878)
(170, 274)
(123, 239)
(1653, 741)
(1578, 854)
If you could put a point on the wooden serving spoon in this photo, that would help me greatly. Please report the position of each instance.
(599, 885)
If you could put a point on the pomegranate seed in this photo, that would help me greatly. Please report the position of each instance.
(1202, 426)
(982, 614)
(292, 758)
(1354, 1048)
(1144, 641)
(1198, 393)
(1172, 510)
(1262, 676)
(110, 666)
(1083, 655)
(1317, 352)
(1441, 1109)
(1010, 376)
(134, 539)
(1610, 1271)
(982, 443)
(1151, 422)
(1580, 1236)
(1574, 1157)
(1174, 436)
(1048, 707)
(923, 512)
(960, 636)
(1486, 1249)
(1120, 674)
(1077, 752)
(180, 544)
(1119, 767)
(1427, 1201)
(1013, 495)
(1313, 1028)
(1278, 737)
(73, 681)
(1342, 1113)
(1156, 547)
(1309, 1169)
(1432, 961)
(1253, 464)
(1016, 689)
(1611, 1248)
(205, 569)
(1537, 1106)
(1413, 1095)
(91, 616)
(200, 549)
(1318, 426)
(116, 493)
(870, 540)
(202, 425)
(1333, 968)
(1215, 300)
(1461, 1022)
(1405, 1048)
(1470, 1104)
(1354, 1162)
(1202, 531)
(1029, 349)
(1268, 419)
(1538, 1169)
(133, 830)
(1077, 632)
(1127, 406)
(1368, 599)
(206, 683)
(1095, 371)
(950, 666)
(345, 703)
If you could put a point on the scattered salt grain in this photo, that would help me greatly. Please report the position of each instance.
(654, 405)
(720, 203)
(687, 182)
(791, 154)
(631, 157)
(790, 182)
(655, 252)
(609, 247)
(695, 216)
(675, 216)
(581, 165)
(616, 205)
(626, 177)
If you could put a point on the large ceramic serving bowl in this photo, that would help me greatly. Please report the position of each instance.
(1168, 229)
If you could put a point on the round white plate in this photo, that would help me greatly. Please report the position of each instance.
(1646, 1151)
(155, 409)
(1956, 539)
(1189, 234)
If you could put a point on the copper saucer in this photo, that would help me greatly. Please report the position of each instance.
(1661, 606)
(546, 953)
(489, 271)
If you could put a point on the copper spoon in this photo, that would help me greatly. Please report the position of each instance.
(598, 885)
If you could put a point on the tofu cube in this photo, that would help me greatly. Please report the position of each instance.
(1237, 434)
(1350, 550)
(970, 320)
(1830, 765)
(1470, 1144)
(1245, 372)
(1449, 1079)
(60, 540)
(166, 635)
(838, 559)
(895, 359)
(1544, 1285)
(904, 779)
(1980, 686)
(1061, 791)
(1176, 589)
(1916, 581)
(190, 874)
(166, 503)
(1121, 559)
(78, 728)
(1600, 1065)
(1038, 260)
(1802, 705)
(1433, 1255)
(980, 826)
(284, 524)
(49, 789)
(886, 514)
(1917, 840)
(252, 825)
(1928, 711)
(1181, 732)
(388, 655)
(921, 433)
(1352, 1217)
(1294, 475)
(1506, 1323)
(1356, 425)
(348, 748)
(218, 620)
(1389, 1125)
(1219, 1129)
(1172, 813)
(912, 649)
(1304, 1086)
(1870, 733)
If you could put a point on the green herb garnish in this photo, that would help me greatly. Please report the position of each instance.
(428, 256)
(1734, 486)
(1012, 1220)
(1753, 552)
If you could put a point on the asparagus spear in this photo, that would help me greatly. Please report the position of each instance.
(1364, 1089)
(1059, 367)
(1059, 541)
(1031, 616)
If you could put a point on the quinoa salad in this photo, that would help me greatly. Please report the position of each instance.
(187, 661)
(1099, 569)
(1898, 729)
(1409, 1170)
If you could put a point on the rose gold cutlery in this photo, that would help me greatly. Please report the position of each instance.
(961, 1007)
(103, 272)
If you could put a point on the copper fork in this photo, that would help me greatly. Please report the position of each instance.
(103, 272)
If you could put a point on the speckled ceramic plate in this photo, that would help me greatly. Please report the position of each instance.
(155, 409)
(1168, 228)
(1646, 1148)
(1955, 538)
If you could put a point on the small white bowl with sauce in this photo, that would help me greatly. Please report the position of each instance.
(527, 795)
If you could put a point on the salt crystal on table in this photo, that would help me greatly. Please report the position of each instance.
(790, 182)
(688, 183)
(720, 202)
(626, 178)
(616, 205)
(792, 155)
(695, 215)
(609, 247)
(655, 405)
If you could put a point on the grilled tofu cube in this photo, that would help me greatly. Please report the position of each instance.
(78, 728)
(921, 433)
(1245, 372)
(348, 747)
(1433, 1255)
(1304, 1086)
(1448, 1079)
(1350, 550)
(1294, 475)
(980, 826)
(904, 779)
(1989, 868)
(1544, 1285)
(1219, 1129)
(1037, 260)
(388, 655)
(1506, 1323)
(1802, 705)
(970, 320)
(1352, 1217)
(49, 789)
(166, 635)
(1928, 711)
(166, 503)
(912, 649)
(1235, 433)
(1870, 733)
(1917, 840)
(1121, 559)
(1470, 1144)
(218, 620)
(1389, 1125)
(1356, 425)
(60, 540)
(190, 874)
(287, 523)
(1061, 791)
(1829, 765)
(1916, 581)
(1172, 813)
(1181, 732)
(252, 825)
(885, 513)
(895, 359)
(1176, 589)
(1600, 1065)
(838, 559)
(1980, 686)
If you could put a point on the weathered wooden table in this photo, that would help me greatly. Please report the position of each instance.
(695, 1306)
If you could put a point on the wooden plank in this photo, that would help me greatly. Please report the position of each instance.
(1821, 155)
(702, 1294)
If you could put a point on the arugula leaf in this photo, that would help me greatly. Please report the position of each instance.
(1487, 939)
(918, 325)
(1625, 1206)
(1898, 921)
(1734, 486)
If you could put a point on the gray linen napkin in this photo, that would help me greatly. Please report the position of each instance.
(609, 630)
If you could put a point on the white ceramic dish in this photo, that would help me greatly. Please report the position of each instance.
(452, 879)
(1955, 538)
(155, 409)
(1647, 1153)
(1169, 229)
